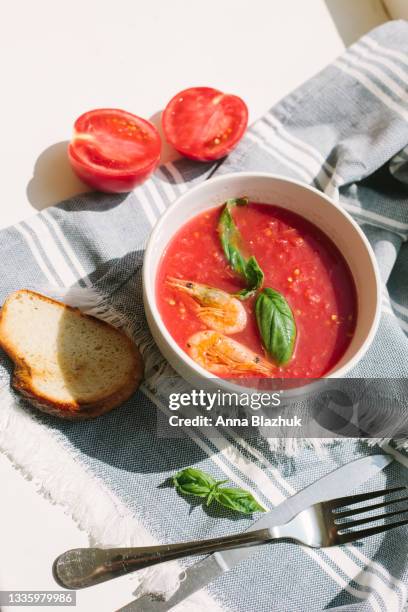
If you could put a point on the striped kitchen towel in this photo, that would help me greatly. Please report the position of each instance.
(345, 132)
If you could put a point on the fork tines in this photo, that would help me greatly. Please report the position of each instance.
(345, 529)
(349, 500)
(351, 536)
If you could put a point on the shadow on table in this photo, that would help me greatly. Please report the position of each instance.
(168, 153)
(354, 19)
(53, 179)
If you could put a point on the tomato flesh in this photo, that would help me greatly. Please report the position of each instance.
(114, 151)
(204, 124)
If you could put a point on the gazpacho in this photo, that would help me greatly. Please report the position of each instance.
(250, 289)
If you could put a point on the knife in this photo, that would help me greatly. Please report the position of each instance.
(337, 483)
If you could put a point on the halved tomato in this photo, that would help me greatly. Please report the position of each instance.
(113, 150)
(203, 123)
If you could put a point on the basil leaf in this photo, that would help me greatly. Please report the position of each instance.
(231, 242)
(192, 481)
(254, 277)
(276, 324)
(238, 500)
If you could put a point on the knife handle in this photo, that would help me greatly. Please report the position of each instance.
(83, 567)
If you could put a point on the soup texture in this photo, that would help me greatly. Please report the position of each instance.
(297, 259)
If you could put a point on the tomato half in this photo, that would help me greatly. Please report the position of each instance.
(203, 123)
(113, 150)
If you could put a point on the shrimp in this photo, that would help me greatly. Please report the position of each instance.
(226, 357)
(216, 308)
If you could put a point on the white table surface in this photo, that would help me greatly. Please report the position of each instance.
(59, 59)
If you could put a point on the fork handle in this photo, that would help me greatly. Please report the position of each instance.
(83, 567)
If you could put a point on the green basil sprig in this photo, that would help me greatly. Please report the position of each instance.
(192, 481)
(231, 242)
(273, 314)
(276, 324)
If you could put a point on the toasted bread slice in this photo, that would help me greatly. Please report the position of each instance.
(67, 363)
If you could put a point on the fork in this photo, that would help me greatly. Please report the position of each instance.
(321, 525)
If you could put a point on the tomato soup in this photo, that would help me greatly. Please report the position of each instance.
(297, 259)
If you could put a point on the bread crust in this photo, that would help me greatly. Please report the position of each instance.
(75, 410)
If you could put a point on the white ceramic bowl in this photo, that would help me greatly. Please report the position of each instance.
(291, 195)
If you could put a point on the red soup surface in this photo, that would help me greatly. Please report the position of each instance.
(298, 260)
